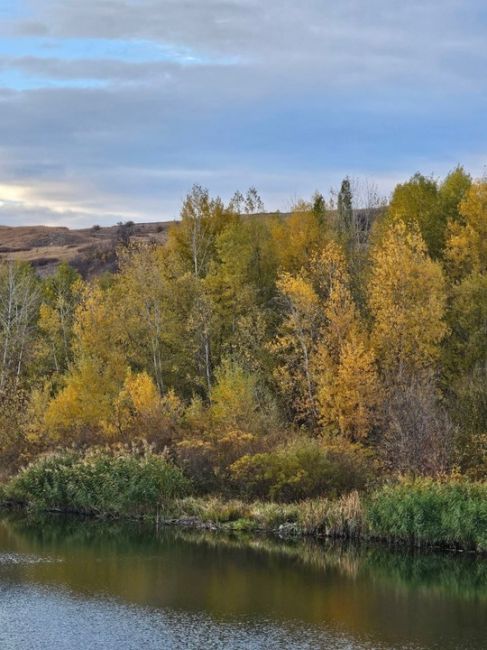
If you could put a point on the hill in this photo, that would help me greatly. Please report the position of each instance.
(90, 250)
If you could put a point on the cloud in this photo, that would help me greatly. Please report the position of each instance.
(115, 107)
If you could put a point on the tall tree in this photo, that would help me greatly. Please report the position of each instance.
(407, 299)
(60, 295)
(416, 202)
(467, 242)
(19, 303)
(295, 344)
(202, 218)
(345, 208)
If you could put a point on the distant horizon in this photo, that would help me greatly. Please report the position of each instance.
(157, 219)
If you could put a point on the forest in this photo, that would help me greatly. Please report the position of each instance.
(266, 356)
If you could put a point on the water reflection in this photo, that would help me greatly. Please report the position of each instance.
(330, 596)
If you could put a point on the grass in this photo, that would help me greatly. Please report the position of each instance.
(420, 513)
(127, 483)
(425, 512)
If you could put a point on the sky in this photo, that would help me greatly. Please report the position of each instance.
(111, 109)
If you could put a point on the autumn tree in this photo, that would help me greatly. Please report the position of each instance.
(241, 283)
(348, 388)
(146, 300)
(60, 295)
(19, 303)
(407, 299)
(467, 238)
(298, 237)
(465, 354)
(84, 406)
(416, 204)
(202, 218)
(452, 191)
(295, 344)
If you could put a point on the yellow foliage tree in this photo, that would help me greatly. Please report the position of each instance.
(467, 243)
(407, 299)
(349, 391)
(295, 344)
(140, 410)
(84, 405)
(298, 237)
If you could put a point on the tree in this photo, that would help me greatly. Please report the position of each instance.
(124, 233)
(467, 241)
(202, 218)
(295, 343)
(348, 388)
(416, 203)
(407, 299)
(319, 208)
(60, 295)
(241, 283)
(143, 294)
(451, 193)
(253, 203)
(419, 434)
(345, 209)
(137, 407)
(466, 346)
(84, 406)
(298, 237)
(19, 303)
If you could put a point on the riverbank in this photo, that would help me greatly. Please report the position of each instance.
(420, 514)
(451, 513)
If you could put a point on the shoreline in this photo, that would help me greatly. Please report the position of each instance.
(284, 531)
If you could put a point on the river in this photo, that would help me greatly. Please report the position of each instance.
(69, 584)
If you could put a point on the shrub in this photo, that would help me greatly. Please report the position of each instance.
(99, 482)
(303, 468)
(424, 511)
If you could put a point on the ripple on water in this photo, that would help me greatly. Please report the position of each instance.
(7, 559)
(40, 619)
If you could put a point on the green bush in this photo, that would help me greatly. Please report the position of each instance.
(99, 482)
(304, 468)
(424, 511)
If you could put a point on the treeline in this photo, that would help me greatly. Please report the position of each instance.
(269, 357)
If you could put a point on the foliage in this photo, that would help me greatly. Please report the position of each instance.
(467, 243)
(423, 512)
(268, 355)
(407, 300)
(302, 468)
(102, 482)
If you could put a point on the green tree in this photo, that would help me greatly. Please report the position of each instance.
(417, 202)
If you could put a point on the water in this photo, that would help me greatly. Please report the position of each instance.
(69, 583)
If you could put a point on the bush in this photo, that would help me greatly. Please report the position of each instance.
(303, 469)
(426, 512)
(99, 482)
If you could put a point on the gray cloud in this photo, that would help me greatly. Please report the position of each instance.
(307, 92)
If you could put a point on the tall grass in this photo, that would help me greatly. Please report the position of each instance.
(427, 512)
(98, 482)
(343, 517)
(421, 512)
